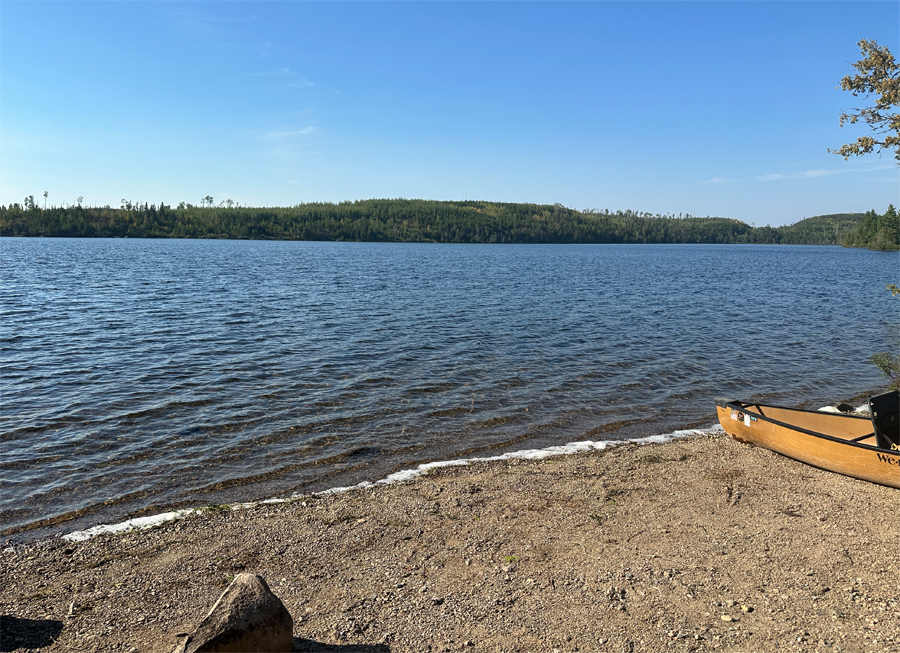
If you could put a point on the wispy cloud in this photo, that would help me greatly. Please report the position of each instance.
(204, 17)
(219, 19)
(282, 136)
(203, 25)
(719, 180)
(7, 81)
(807, 174)
(264, 49)
(300, 83)
(287, 142)
(287, 78)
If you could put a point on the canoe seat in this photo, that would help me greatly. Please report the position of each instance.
(886, 419)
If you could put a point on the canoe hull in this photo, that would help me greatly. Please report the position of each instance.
(823, 440)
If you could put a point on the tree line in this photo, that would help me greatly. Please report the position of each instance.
(876, 231)
(403, 220)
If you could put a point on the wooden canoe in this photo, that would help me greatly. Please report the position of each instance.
(837, 442)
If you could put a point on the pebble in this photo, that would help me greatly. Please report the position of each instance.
(725, 617)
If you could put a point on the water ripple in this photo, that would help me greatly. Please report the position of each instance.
(145, 374)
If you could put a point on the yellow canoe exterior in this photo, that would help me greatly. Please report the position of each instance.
(838, 443)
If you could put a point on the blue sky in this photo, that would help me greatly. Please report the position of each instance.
(707, 108)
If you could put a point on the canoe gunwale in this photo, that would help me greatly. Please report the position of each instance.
(744, 405)
(834, 453)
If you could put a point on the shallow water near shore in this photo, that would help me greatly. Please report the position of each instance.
(404, 475)
(143, 375)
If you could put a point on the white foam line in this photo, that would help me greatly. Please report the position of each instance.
(526, 454)
(141, 523)
(132, 524)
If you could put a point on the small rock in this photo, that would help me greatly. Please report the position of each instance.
(247, 617)
(746, 608)
(725, 617)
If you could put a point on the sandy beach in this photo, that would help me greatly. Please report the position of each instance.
(692, 545)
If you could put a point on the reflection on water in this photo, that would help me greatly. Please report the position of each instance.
(143, 374)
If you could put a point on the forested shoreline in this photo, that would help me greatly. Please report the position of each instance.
(881, 232)
(402, 220)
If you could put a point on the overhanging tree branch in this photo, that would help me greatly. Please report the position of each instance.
(879, 76)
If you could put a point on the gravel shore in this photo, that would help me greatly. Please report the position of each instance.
(697, 544)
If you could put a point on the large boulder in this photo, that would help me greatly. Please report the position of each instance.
(247, 618)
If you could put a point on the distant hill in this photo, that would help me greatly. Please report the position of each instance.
(403, 220)
(828, 229)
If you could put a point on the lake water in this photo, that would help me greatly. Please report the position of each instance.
(143, 375)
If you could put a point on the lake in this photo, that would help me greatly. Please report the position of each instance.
(143, 375)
